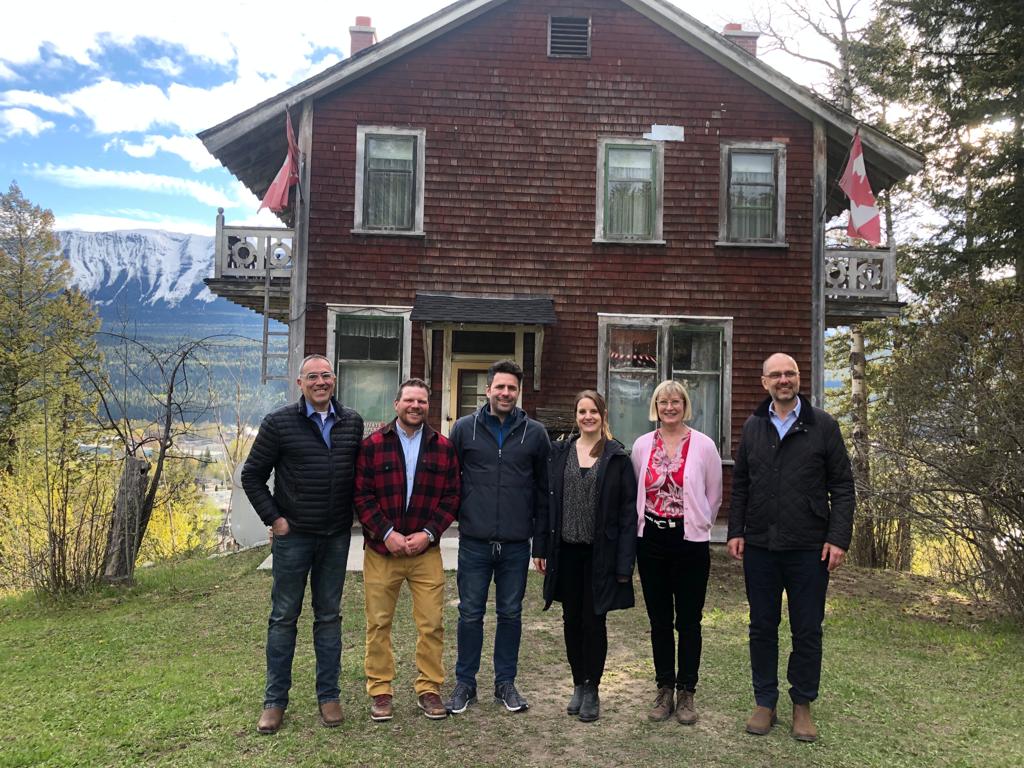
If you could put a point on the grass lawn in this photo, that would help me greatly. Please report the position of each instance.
(170, 673)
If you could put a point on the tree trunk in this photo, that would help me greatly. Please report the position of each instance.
(866, 547)
(124, 538)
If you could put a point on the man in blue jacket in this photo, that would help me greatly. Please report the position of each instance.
(311, 447)
(790, 521)
(503, 455)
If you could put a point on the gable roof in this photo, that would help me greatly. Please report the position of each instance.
(252, 144)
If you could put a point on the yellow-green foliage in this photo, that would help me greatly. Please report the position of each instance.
(183, 519)
(56, 505)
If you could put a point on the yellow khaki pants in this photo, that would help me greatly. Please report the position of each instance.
(382, 580)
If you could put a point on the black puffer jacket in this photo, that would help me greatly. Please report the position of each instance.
(614, 527)
(794, 493)
(313, 484)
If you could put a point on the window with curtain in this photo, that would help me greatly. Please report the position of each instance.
(629, 190)
(629, 204)
(389, 180)
(643, 351)
(753, 193)
(369, 364)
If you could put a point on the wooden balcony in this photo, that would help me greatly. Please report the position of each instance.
(860, 284)
(252, 267)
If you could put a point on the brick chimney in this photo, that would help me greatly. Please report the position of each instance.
(364, 34)
(744, 38)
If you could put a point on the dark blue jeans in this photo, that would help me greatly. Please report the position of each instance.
(508, 564)
(804, 577)
(323, 560)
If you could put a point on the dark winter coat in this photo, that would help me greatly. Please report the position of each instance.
(313, 484)
(614, 527)
(504, 488)
(794, 493)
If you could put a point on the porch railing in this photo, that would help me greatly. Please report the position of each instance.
(248, 252)
(860, 274)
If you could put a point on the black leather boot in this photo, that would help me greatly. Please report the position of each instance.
(590, 707)
(573, 707)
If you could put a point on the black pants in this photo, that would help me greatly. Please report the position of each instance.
(804, 577)
(586, 635)
(674, 576)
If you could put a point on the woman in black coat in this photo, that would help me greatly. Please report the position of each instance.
(591, 544)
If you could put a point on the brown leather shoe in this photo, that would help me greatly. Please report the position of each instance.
(761, 722)
(686, 713)
(663, 705)
(270, 720)
(381, 708)
(432, 706)
(803, 726)
(330, 714)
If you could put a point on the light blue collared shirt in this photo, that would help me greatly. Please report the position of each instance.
(782, 426)
(324, 423)
(411, 449)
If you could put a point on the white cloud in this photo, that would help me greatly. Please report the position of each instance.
(6, 73)
(165, 65)
(17, 121)
(40, 101)
(133, 220)
(189, 148)
(79, 177)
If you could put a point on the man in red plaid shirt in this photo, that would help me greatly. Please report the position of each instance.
(407, 494)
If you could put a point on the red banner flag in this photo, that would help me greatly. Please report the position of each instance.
(276, 198)
(864, 220)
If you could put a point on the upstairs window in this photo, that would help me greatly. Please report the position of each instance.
(389, 180)
(569, 36)
(753, 193)
(629, 188)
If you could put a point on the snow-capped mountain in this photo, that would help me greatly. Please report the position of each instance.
(150, 276)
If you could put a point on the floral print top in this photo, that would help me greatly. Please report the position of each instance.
(664, 479)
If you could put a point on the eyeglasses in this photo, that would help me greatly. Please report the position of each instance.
(776, 375)
(672, 403)
(311, 377)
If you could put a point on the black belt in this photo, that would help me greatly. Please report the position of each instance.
(663, 522)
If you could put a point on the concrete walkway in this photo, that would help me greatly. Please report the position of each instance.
(449, 548)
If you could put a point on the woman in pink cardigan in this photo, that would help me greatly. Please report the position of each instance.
(679, 489)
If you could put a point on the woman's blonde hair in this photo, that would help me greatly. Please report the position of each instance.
(602, 407)
(671, 387)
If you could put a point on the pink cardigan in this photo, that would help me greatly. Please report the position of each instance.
(702, 484)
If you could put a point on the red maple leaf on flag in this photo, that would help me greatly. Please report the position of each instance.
(276, 198)
(864, 220)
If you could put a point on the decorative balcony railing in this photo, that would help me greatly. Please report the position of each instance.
(860, 274)
(249, 252)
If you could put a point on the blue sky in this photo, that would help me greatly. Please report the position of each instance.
(100, 102)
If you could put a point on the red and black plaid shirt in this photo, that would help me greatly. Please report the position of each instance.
(381, 487)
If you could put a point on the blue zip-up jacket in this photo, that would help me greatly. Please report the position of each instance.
(504, 488)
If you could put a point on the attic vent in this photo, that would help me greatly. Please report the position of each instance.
(569, 36)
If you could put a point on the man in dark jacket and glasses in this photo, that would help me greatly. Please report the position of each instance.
(790, 521)
(311, 447)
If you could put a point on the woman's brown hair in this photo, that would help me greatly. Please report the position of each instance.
(602, 407)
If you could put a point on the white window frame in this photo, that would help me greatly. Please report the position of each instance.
(658, 182)
(362, 132)
(775, 148)
(665, 324)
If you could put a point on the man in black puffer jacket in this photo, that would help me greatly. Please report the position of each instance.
(790, 521)
(311, 446)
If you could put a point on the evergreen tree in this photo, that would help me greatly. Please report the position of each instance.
(968, 77)
(46, 326)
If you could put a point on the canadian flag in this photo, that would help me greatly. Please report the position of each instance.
(276, 198)
(864, 221)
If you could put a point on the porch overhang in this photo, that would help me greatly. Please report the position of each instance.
(503, 310)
